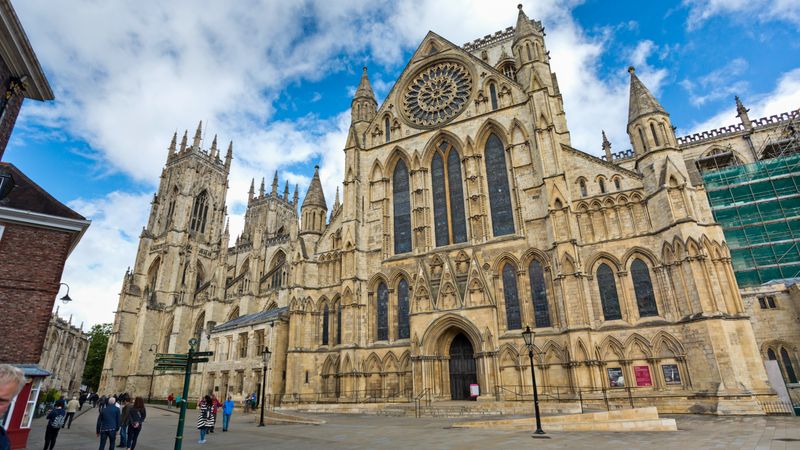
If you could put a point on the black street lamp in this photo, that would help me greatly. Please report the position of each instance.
(528, 336)
(265, 354)
(66, 298)
(153, 348)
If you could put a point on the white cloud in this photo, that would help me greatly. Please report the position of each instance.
(718, 84)
(784, 98)
(750, 11)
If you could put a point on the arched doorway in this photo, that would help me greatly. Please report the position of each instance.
(462, 368)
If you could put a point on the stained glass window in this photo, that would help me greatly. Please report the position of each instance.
(382, 324)
(582, 184)
(402, 310)
(643, 287)
(199, 213)
(541, 311)
(387, 128)
(493, 95)
(511, 296)
(450, 225)
(788, 367)
(608, 293)
(325, 319)
(499, 192)
(338, 324)
(402, 209)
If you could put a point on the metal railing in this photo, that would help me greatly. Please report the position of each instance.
(605, 397)
(425, 396)
(377, 395)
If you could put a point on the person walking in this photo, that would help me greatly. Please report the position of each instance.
(134, 421)
(227, 410)
(204, 417)
(81, 401)
(72, 407)
(170, 399)
(125, 409)
(55, 422)
(108, 421)
(215, 404)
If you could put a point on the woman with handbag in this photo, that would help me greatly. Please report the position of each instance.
(134, 421)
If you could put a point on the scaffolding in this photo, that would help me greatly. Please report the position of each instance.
(758, 207)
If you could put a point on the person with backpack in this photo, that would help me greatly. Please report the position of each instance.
(227, 410)
(55, 421)
(205, 417)
(134, 420)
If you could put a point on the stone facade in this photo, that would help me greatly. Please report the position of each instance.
(465, 216)
(65, 349)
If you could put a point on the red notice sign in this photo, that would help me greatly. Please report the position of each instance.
(642, 374)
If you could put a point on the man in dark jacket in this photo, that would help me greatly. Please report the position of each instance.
(108, 422)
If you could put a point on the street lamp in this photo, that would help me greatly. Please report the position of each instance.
(153, 348)
(266, 355)
(528, 336)
(66, 299)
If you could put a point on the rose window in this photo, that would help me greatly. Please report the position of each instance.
(437, 94)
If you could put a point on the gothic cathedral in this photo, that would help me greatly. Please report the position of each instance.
(465, 216)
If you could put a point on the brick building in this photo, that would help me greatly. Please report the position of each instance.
(37, 233)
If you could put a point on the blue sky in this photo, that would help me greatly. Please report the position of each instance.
(276, 78)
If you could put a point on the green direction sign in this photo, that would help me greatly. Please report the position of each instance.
(172, 355)
(203, 354)
(171, 361)
(199, 360)
(170, 369)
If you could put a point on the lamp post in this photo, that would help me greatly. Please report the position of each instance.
(153, 348)
(528, 336)
(66, 299)
(265, 354)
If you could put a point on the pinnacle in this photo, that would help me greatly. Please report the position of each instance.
(364, 87)
(524, 26)
(641, 100)
(315, 196)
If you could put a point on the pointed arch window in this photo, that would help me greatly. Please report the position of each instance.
(541, 312)
(788, 368)
(510, 71)
(448, 195)
(602, 183)
(387, 128)
(403, 331)
(382, 310)
(338, 339)
(582, 184)
(499, 192)
(325, 324)
(402, 208)
(528, 49)
(511, 296)
(655, 135)
(197, 223)
(171, 207)
(493, 95)
(641, 136)
(643, 287)
(617, 183)
(608, 293)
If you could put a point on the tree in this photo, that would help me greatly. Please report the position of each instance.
(96, 355)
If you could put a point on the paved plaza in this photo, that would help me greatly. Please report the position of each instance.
(366, 432)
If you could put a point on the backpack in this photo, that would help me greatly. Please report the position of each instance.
(58, 421)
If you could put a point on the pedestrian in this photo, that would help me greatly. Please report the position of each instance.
(204, 417)
(134, 421)
(102, 402)
(55, 422)
(227, 410)
(246, 403)
(125, 408)
(214, 410)
(72, 408)
(178, 400)
(170, 399)
(12, 380)
(108, 421)
(81, 401)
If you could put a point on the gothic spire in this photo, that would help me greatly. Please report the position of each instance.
(229, 156)
(197, 136)
(336, 201)
(294, 201)
(183, 141)
(607, 147)
(364, 87)
(741, 113)
(261, 189)
(315, 196)
(286, 191)
(252, 190)
(275, 184)
(171, 150)
(214, 147)
(524, 26)
(641, 100)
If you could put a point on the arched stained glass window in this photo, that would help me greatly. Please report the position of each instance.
(499, 192)
(541, 312)
(771, 355)
(402, 209)
(387, 128)
(643, 287)
(403, 331)
(493, 95)
(608, 293)
(338, 324)
(791, 376)
(197, 223)
(582, 184)
(655, 135)
(644, 141)
(511, 295)
(325, 324)
(602, 184)
(450, 225)
(382, 309)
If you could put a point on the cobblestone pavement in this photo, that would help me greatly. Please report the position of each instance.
(368, 432)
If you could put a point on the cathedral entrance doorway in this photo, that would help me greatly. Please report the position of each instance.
(462, 368)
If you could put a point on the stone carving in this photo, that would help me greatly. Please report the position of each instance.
(437, 94)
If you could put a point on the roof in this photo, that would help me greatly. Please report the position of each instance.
(315, 196)
(641, 100)
(364, 88)
(17, 53)
(32, 370)
(29, 196)
(251, 319)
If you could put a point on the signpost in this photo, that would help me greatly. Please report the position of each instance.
(182, 362)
